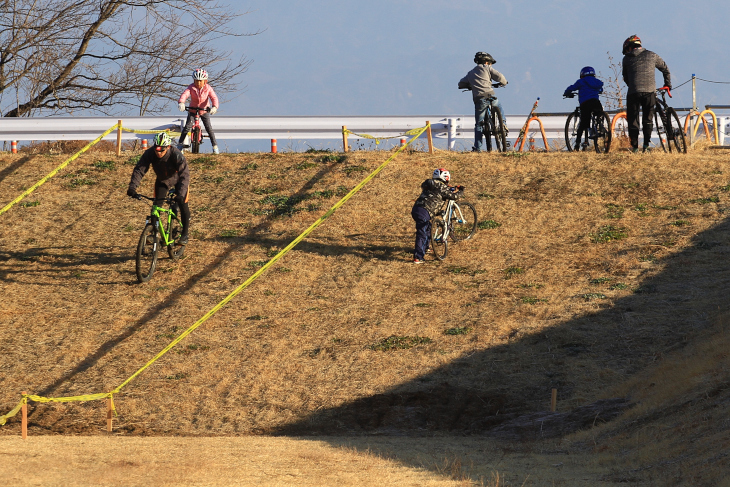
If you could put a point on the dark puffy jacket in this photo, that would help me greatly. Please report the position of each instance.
(638, 71)
(433, 194)
(170, 169)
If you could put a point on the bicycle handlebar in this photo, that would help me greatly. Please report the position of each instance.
(198, 109)
(664, 88)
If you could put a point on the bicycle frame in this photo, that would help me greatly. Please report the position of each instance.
(163, 224)
(196, 131)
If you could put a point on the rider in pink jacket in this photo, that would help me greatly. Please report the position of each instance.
(201, 95)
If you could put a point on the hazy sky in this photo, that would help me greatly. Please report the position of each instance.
(405, 57)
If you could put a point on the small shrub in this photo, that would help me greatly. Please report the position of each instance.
(394, 342)
(608, 233)
(619, 286)
(229, 233)
(354, 169)
(704, 201)
(81, 181)
(614, 211)
(600, 280)
(329, 158)
(592, 296)
(306, 165)
(271, 190)
(30, 204)
(486, 196)
(511, 271)
(464, 330)
(532, 300)
(257, 263)
(680, 223)
(488, 225)
(106, 165)
(132, 161)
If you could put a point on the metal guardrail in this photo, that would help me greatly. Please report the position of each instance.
(449, 127)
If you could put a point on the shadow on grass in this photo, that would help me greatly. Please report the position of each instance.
(504, 391)
(174, 296)
(11, 168)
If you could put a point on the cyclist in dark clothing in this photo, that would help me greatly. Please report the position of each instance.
(588, 87)
(171, 168)
(638, 73)
(434, 192)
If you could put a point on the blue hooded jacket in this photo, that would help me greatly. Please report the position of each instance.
(588, 88)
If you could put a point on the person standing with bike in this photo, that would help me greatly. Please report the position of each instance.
(638, 73)
(479, 81)
(588, 88)
(433, 193)
(201, 95)
(171, 168)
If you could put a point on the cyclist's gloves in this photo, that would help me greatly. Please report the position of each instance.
(568, 94)
(181, 106)
(132, 193)
(213, 110)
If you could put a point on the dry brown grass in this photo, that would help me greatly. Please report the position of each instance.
(547, 306)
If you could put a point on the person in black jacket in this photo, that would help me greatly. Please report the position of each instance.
(434, 192)
(171, 168)
(638, 73)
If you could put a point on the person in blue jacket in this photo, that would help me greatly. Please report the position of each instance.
(588, 88)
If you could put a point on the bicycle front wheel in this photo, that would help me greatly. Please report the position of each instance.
(602, 142)
(500, 138)
(147, 253)
(463, 221)
(675, 133)
(175, 228)
(571, 130)
(661, 128)
(439, 243)
(195, 140)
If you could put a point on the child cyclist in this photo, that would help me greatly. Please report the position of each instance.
(201, 94)
(433, 193)
(588, 87)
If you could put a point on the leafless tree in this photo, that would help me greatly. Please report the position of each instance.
(106, 56)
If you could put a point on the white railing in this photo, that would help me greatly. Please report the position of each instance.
(449, 127)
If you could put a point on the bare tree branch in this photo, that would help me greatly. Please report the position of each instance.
(107, 55)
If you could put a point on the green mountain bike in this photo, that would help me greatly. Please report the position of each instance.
(162, 227)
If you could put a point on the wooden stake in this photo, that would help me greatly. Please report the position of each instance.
(24, 421)
(554, 400)
(109, 414)
(119, 138)
(344, 138)
(430, 140)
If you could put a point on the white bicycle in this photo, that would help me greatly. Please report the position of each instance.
(457, 221)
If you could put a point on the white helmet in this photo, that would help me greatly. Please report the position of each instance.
(200, 74)
(441, 174)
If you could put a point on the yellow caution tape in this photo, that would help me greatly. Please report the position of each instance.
(53, 173)
(378, 139)
(91, 397)
(134, 131)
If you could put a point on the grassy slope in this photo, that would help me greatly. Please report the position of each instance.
(641, 317)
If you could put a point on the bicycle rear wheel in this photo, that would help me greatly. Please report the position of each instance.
(463, 221)
(195, 140)
(146, 260)
(571, 130)
(675, 133)
(487, 131)
(602, 141)
(500, 138)
(439, 243)
(175, 250)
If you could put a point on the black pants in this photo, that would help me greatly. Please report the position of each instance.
(205, 117)
(587, 108)
(161, 191)
(647, 103)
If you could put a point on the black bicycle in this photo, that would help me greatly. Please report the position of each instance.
(162, 226)
(598, 131)
(670, 131)
(493, 125)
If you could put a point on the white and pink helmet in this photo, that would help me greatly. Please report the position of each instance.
(441, 174)
(200, 74)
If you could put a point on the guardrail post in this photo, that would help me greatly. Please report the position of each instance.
(14, 146)
(344, 138)
(430, 139)
(452, 132)
(402, 141)
(119, 138)
(273, 146)
(24, 418)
